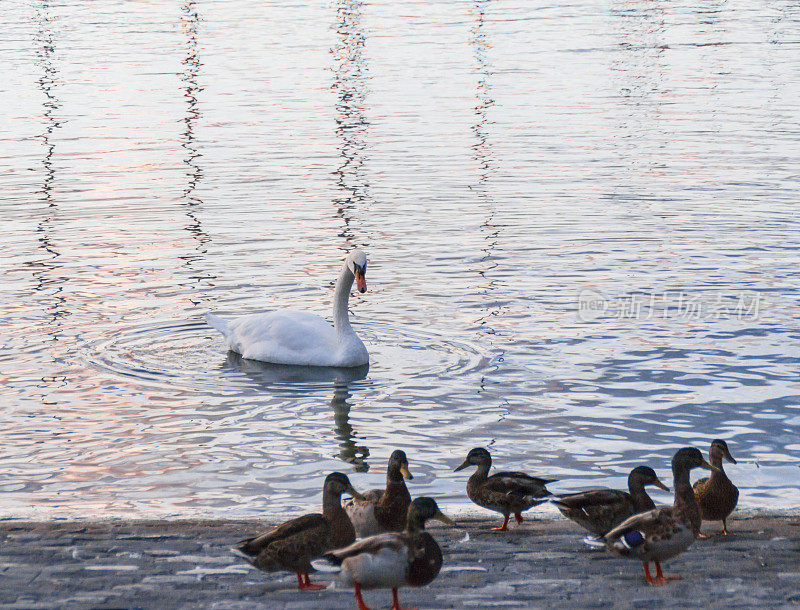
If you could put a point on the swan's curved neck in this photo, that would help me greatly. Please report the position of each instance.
(341, 319)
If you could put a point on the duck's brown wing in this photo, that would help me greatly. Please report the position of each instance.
(597, 510)
(658, 522)
(296, 550)
(371, 545)
(518, 483)
(253, 546)
(592, 497)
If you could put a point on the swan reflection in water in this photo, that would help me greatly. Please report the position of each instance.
(267, 374)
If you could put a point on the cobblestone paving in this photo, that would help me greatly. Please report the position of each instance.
(171, 564)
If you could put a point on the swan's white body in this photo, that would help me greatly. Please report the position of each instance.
(300, 338)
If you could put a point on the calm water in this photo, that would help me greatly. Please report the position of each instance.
(581, 221)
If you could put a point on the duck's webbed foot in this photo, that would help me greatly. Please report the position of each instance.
(307, 585)
(502, 528)
(650, 580)
(660, 575)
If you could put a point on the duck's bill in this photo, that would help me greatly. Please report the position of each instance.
(439, 516)
(729, 457)
(405, 472)
(351, 490)
(361, 281)
(708, 466)
(464, 464)
(660, 485)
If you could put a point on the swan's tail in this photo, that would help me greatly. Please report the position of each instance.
(218, 323)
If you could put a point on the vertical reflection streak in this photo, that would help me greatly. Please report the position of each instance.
(48, 280)
(350, 85)
(190, 18)
(483, 155)
(348, 450)
(639, 68)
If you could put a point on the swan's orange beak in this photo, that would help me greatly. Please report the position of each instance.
(361, 280)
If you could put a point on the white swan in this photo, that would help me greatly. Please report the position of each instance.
(300, 338)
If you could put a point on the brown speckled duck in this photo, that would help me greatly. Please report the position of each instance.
(599, 510)
(391, 560)
(504, 492)
(662, 533)
(716, 495)
(383, 510)
(294, 544)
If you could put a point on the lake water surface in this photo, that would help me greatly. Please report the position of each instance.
(581, 220)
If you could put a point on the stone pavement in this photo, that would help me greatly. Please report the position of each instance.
(543, 563)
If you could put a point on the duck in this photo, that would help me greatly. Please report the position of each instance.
(293, 337)
(662, 533)
(504, 492)
(599, 510)
(383, 510)
(391, 560)
(292, 545)
(717, 495)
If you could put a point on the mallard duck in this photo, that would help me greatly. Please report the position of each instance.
(383, 510)
(392, 560)
(599, 510)
(662, 533)
(504, 492)
(294, 544)
(716, 495)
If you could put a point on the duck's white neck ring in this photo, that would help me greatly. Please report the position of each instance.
(341, 296)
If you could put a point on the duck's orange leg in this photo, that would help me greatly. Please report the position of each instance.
(724, 531)
(518, 517)
(702, 535)
(502, 528)
(359, 599)
(307, 585)
(396, 602)
(660, 574)
(650, 580)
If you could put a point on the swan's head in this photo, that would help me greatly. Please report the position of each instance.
(357, 264)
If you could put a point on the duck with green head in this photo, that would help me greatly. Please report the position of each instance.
(391, 560)
(717, 495)
(504, 492)
(664, 532)
(294, 544)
